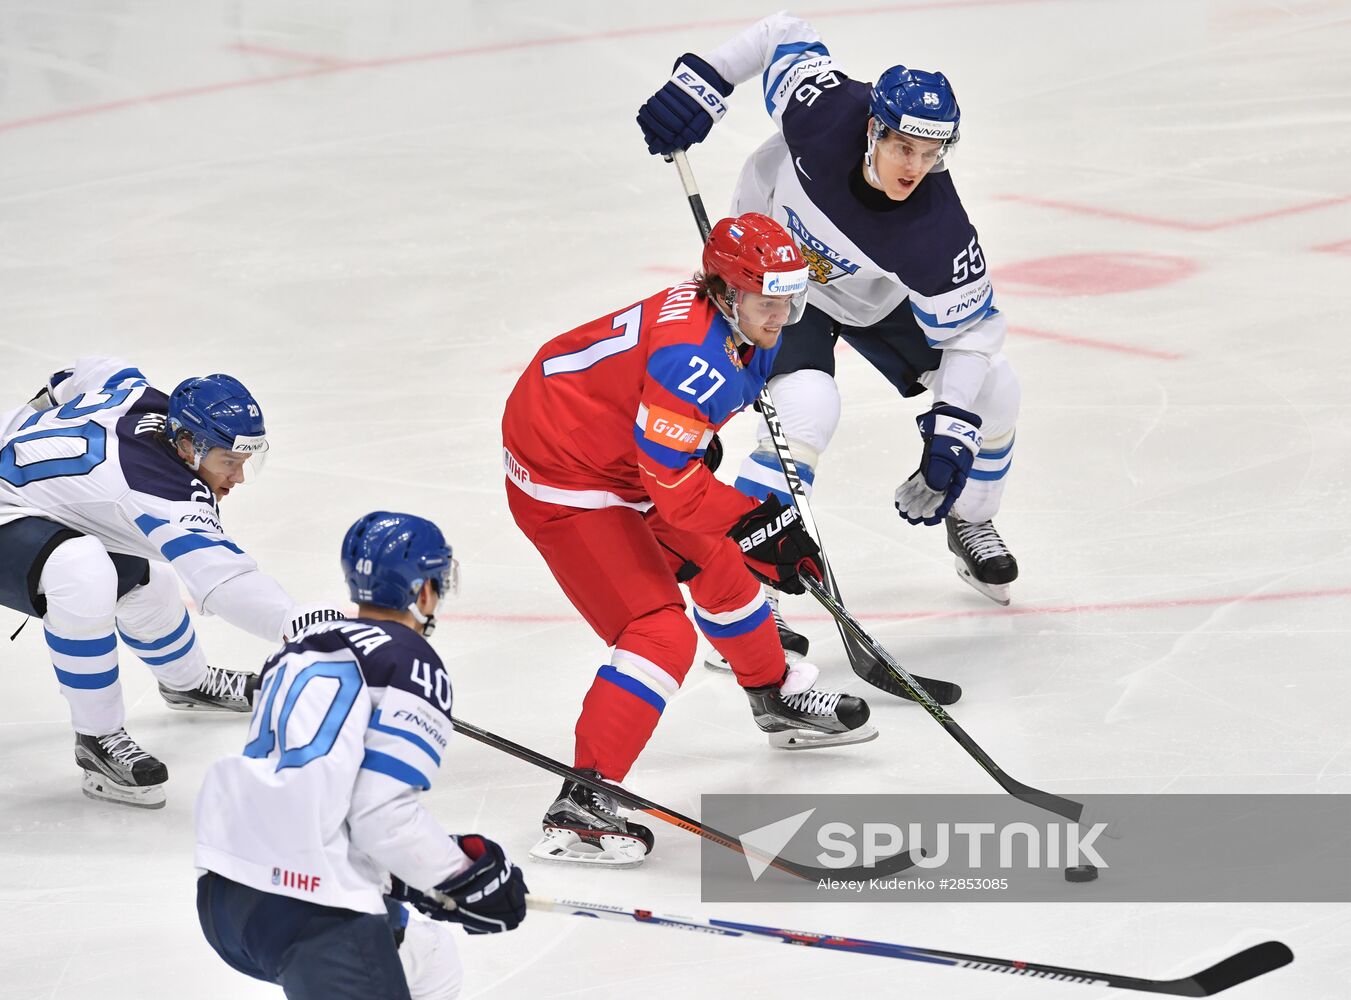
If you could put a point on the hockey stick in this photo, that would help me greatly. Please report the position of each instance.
(887, 866)
(861, 658)
(1068, 808)
(1245, 965)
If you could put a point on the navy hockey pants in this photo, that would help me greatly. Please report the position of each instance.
(312, 952)
(26, 544)
(895, 346)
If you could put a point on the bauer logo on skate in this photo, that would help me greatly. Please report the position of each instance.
(673, 430)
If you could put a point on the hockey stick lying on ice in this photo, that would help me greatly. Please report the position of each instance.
(863, 661)
(1239, 968)
(887, 866)
(1068, 808)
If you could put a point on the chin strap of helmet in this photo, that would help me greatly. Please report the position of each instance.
(732, 315)
(876, 130)
(426, 623)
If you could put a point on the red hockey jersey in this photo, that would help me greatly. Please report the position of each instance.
(620, 411)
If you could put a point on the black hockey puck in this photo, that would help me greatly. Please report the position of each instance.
(1081, 873)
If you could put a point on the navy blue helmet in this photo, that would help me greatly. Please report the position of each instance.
(219, 413)
(918, 103)
(386, 558)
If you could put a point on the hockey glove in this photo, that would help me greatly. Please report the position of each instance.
(682, 112)
(951, 440)
(776, 546)
(487, 897)
(713, 453)
(45, 398)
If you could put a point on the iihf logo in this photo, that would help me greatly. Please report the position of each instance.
(930, 99)
(276, 876)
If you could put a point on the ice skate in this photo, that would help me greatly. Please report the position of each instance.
(983, 560)
(584, 827)
(221, 691)
(799, 716)
(794, 643)
(118, 770)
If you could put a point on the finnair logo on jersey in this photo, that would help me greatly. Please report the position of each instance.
(823, 263)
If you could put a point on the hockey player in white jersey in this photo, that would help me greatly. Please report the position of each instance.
(858, 175)
(299, 833)
(108, 498)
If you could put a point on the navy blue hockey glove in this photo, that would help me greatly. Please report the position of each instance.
(487, 897)
(682, 112)
(951, 440)
(776, 547)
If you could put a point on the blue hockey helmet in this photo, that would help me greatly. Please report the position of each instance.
(386, 558)
(915, 102)
(218, 412)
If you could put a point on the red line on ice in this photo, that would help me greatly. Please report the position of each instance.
(1344, 248)
(1162, 604)
(1182, 224)
(1099, 345)
(267, 50)
(348, 66)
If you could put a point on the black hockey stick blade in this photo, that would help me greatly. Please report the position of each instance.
(897, 862)
(1068, 808)
(871, 668)
(1247, 964)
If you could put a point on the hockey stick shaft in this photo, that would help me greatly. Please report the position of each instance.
(1067, 808)
(861, 659)
(887, 866)
(1238, 968)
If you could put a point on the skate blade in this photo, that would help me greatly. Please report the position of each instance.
(717, 664)
(104, 789)
(193, 706)
(806, 739)
(997, 592)
(565, 847)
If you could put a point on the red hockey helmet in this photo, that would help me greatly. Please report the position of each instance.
(753, 253)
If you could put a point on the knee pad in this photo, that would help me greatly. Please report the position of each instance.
(808, 402)
(660, 645)
(79, 582)
(998, 402)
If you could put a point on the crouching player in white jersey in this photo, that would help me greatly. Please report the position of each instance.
(857, 174)
(298, 834)
(105, 485)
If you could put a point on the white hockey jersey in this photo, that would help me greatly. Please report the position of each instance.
(95, 463)
(867, 254)
(349, 726)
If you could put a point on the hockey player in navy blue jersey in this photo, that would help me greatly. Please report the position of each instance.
(299, 833)
(109, 495)
(857, 174)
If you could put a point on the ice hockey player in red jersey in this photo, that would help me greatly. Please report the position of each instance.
(609, 437)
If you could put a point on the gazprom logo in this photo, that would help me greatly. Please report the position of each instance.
(785, 282)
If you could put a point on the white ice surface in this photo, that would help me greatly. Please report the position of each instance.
(373, 213)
